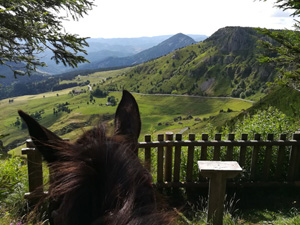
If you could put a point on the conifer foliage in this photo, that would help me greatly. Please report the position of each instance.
(285, 53)
(29, 27)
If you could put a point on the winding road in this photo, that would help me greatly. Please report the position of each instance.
(193, 96)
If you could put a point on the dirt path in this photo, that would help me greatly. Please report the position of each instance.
(185, 129)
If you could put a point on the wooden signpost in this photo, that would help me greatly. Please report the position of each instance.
(218, 172)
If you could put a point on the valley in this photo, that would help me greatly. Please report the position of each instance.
(160, 113)
(225, 64)
(189, 90)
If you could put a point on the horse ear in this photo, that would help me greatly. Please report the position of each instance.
(127, 119)
(43, 139)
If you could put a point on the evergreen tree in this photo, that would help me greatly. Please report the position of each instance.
(28, 27)
(285, 53)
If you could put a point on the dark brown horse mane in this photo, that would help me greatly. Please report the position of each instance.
(99, 179)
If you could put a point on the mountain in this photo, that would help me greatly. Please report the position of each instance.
(140, 43)
(175, 42)
(96, 51)
(55, 69)
(10, 79)
(224, 64)
(101, 48)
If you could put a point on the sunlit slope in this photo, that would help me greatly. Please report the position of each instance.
(158, 113)
(223, 65)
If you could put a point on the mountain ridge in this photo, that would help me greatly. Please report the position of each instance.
(99, 52)
(176, 41)
(101, 48)
(225, 64)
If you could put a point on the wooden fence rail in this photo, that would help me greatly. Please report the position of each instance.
(172, 160)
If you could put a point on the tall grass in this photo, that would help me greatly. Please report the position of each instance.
(13, 186)
(197, 212)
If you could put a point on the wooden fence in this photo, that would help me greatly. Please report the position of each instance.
(172, 160)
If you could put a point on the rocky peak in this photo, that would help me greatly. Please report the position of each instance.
(232, 39)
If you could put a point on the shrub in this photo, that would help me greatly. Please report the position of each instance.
(99, 93)
(264, 122)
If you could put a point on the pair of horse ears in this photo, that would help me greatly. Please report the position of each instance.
(127, 122)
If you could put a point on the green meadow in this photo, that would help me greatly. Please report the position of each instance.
(157, 112)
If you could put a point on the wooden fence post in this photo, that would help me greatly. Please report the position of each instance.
(254, 160)
(294, 160)
(203, 155)
(229, 154)
(35, 172)
(204, 147)
(217, 147)
(148, 154)
(243, 149)
(296, 137)
(160, 159)
(190, 159)
(268, 158)
(177, 159)
(168, 158)
(280, 158)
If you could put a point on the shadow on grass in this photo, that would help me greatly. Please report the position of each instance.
(276, 205)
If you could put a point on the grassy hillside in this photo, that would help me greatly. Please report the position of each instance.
(285, 99)
(157, 111)
(223, 65)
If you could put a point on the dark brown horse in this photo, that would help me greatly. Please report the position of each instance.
(99, 179)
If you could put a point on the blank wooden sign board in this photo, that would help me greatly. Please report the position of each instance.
(217, 172)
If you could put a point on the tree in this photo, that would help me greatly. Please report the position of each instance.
(112, 100)
(28, 27)
(285, 52)
(99, 93)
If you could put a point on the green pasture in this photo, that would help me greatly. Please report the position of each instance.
(98, 77)
(157, 112)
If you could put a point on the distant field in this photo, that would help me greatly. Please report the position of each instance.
(157, 112)
(97, 77)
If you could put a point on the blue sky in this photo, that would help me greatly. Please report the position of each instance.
(137, 18)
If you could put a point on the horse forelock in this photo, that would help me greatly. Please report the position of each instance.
(102, 176)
